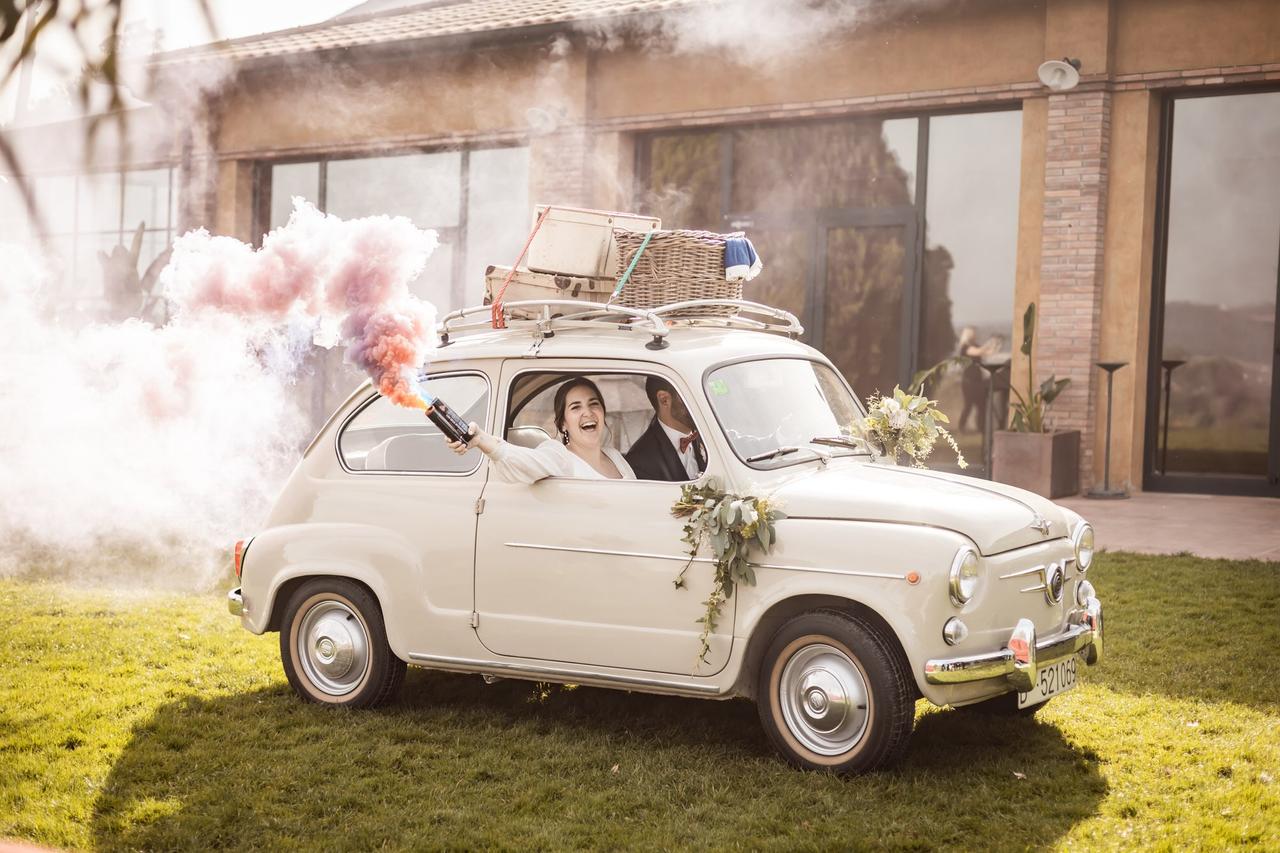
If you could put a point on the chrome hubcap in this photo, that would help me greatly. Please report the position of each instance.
(333, 647)
(824, 699)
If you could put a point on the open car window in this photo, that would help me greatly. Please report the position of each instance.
(384, 437)
(531, 416)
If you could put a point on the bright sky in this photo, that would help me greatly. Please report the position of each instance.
(181, 24)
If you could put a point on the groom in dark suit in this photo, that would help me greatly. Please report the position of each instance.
(670, 449)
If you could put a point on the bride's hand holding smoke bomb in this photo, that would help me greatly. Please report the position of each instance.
(477, 438)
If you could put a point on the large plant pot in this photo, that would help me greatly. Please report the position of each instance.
(1047, 463)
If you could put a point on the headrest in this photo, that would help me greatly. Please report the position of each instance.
(527, 436)
(409, 452)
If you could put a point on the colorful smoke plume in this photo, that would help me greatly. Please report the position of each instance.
(133, 453)
(352, 273)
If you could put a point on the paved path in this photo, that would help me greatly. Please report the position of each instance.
(1205, 525)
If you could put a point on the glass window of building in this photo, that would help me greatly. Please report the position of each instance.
(795, 187)
(106, 233)
(838, 209)
(442, 191)
(498, 211)
(969, 265)
(289, 181)
(1214, 409)
(851, 163)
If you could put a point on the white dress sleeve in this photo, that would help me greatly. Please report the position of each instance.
(516, 464)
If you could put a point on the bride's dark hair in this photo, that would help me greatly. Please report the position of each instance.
(563, 391)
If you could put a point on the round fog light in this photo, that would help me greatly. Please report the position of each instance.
(1084, 592)
(954, 631)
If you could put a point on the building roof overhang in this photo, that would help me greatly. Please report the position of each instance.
(438, 23)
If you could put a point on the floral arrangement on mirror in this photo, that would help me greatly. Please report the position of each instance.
(907, 424)
(731, 524)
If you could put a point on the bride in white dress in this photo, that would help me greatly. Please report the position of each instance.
(580, 452)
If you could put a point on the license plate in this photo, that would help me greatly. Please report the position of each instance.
(1051, 681)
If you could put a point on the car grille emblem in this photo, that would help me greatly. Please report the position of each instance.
(1053, 582)
(1042, 524)
(1053, 579)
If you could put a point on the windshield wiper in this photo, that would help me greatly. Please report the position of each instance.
(771, 454)
(851, 443)
(786, 449)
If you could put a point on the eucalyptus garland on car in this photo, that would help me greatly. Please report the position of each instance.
(731, 524)
(904, 423)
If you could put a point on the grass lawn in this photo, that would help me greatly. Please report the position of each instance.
(156, 722)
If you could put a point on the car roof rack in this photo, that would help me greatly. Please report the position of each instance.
(544, 317)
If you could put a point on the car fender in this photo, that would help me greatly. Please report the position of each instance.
(896, 571)
(377, 557)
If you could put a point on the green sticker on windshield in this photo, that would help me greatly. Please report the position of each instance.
(718, 387)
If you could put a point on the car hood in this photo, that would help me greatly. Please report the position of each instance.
(995, 516)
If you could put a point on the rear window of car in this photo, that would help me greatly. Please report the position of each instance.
(385, 438)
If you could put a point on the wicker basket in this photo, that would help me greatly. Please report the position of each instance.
(676, 266)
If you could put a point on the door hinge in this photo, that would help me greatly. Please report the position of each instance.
(479, 505)
(475, 619)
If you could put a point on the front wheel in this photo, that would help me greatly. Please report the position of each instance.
(834, 695)
(334, 646)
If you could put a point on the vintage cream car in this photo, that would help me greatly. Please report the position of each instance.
(886, 584)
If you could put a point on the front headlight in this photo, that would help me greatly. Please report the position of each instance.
(964, 576)
(1082, 541)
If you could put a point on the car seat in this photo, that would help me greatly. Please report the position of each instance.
(414, 452)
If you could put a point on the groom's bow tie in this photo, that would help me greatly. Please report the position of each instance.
(686, 440)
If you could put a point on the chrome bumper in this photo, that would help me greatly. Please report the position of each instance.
(235, 602)
(1023, 656)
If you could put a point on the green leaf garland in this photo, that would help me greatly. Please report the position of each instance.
(731, 524)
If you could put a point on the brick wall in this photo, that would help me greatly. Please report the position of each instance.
(1071, 271)
(558, 172)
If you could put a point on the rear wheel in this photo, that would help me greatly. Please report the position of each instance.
(333, 645)
(834, 697)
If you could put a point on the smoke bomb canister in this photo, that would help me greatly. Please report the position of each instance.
(448, 421)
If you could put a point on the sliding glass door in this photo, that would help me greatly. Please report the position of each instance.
(1212, 423)
(893, 239)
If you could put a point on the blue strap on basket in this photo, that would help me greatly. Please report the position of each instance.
(630, 268)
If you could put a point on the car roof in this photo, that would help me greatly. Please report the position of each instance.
(689, 350)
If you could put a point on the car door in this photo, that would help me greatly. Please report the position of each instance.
(416, 499)
(583, 570)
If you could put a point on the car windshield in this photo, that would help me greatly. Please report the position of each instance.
(771, 408)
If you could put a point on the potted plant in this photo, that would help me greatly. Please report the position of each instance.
(1029, 454)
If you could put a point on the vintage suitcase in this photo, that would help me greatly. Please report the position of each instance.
(527, 284)
(578, 242)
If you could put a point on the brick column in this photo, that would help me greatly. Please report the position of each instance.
(558, 168)
(1071, 272)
